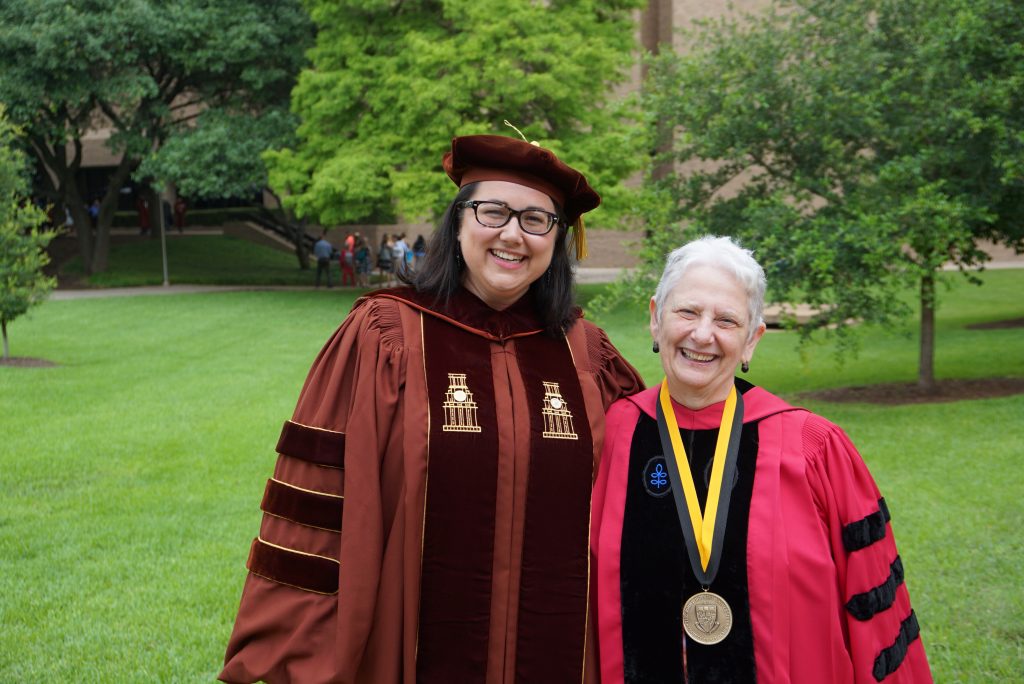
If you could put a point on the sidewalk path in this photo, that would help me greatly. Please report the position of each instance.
(584, 275)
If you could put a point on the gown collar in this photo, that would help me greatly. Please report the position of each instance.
(467, 311)
(758, 403)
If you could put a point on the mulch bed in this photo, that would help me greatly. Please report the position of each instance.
(26, 362)
(998, 325)
(894, 394)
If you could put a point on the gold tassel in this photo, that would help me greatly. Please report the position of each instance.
(532, 142)
(579, 239)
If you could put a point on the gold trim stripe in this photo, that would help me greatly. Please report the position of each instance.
(261, 540)
(310, 491)
(314, 427)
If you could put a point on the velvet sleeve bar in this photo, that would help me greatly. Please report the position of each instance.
(285, 633)
(881, 627)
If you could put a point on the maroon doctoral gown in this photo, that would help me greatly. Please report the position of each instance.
(427, 519)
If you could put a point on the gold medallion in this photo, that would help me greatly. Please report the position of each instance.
(707, 618)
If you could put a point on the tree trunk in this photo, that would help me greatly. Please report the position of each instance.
(7, 351)
(296, 229)
(108, 205)
(299, 233)
(83, 224)
(61, 177)
(926, 362)
(66, 188)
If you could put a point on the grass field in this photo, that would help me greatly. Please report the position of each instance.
(132, 472)
(201, 260)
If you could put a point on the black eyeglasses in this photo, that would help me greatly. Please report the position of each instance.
(497, 214)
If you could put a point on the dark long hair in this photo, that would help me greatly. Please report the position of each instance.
(441, 271)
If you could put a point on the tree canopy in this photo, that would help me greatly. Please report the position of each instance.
(144, 69)
(856, 145)
(22, 243)
(392, 82)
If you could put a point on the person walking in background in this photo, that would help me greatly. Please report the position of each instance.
(141, 206)
(419, 250)
(180, 207)
(323, 251)
(362, 257)
(347, 260)
(384, 260)
(399, 252)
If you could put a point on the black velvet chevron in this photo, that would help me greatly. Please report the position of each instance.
(867, 530)
(864, 606)
(890, 658)
(656, 577)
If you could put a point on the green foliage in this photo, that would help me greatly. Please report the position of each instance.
(855, 145)
(145, 69)
(392, 83)
(22, 243)
(221, 155)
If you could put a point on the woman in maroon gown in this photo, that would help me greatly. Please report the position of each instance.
(428, 517)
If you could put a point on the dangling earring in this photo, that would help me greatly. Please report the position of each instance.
(745, 366)
(655, 348)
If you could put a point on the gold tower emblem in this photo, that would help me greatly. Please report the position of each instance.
(557, 417)
(459, 407)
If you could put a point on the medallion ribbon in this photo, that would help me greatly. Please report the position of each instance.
(703, 532)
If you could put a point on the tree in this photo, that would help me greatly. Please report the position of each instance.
(392, 82)
(22, 243)
(857, 145)
(221, 156)
(144, 69)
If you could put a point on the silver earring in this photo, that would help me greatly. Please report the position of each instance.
(745, 366)
(655, 348)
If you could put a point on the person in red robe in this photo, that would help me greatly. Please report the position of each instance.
(428, 517)
(737, 538)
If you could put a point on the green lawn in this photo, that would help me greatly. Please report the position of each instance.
(131, 473)
(199, 260)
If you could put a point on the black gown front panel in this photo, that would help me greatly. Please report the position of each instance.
(655, 574)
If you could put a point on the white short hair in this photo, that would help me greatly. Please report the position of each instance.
(723, 252)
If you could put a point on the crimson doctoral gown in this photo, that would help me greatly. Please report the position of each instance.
(819, 594)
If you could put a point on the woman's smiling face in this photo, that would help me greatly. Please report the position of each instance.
(703, 334)
(501, 263)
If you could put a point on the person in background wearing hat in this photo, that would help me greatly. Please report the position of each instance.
(428, 517)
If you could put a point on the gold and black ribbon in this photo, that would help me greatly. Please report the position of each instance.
(704, 533)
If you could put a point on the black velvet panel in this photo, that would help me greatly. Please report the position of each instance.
(656, 578)
(867, 530)
(864, 606)
(890, 658)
